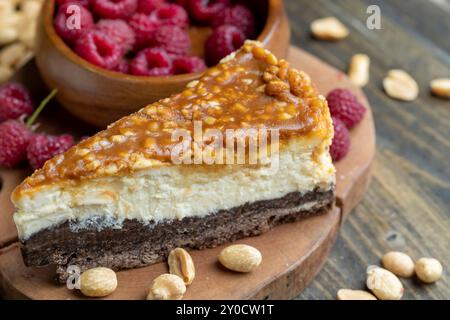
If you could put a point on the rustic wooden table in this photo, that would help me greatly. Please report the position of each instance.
(407, 205)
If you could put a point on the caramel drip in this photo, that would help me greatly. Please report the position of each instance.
(250, 89)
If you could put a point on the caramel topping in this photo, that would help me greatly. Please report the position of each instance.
(249, 89)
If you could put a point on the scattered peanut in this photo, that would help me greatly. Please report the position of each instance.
(384, 284)
(181, 264)
(400, 85)
(24, 59)
(11, 54)
(329, 28)
(348, 294)
(5, 73)
(31, 8)
(240, 257)
(98, 282)
(428, 270)
(398, 263)
(8, 35)
(359, 69)
(441, 87)
(17, 33)
(167, 287)
(28, 34)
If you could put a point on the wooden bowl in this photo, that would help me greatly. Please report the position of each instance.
(99, 96)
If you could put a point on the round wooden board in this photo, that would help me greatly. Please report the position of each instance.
(293, 253)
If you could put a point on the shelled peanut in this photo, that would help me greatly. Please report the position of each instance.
(17, 32)
(98, 282)
(384, 282)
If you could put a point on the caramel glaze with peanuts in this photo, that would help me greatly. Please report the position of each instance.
(248, 89)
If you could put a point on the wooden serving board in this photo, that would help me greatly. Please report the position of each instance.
(292, 253)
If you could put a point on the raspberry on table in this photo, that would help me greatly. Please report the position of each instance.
(14, 139)
(344, 105)
(65, 30)
(170, 14)
(223, 41)
(143, 28)
(341, 140)
(99, 49)
(152, 62)
(188, 64)
(239, 16)
(147, 6)
(205, 11)
(43, 147)
(172, 39)
(114, 9)
(15, 101)
(118, 30)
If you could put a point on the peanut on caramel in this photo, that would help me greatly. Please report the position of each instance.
(250, 89)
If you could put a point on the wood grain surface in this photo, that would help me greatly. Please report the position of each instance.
(407, 205)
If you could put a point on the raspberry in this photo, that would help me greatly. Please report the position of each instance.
(84, 3)
(14, 139)
(341, 140)
(43, 147)
(205, 11)
(152, 62)
(170, 14)
(238, 16)
(15, 101)
(99, 49)
(118, 30)
(344, 105)
(188, 64)
(122, 67)
(223, 41)
(114, 9)
(143, 29)
(15, 136)
(147, 6)
(62, 22)
(172, 39)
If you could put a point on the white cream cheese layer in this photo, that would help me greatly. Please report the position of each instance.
(171, 192)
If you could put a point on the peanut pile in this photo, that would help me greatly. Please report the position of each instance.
(18, 20)
(397, 84)
(384, 282)
(100, 282)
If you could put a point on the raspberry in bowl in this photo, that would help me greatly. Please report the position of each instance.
(130, 53)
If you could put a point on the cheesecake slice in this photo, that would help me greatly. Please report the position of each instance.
(148, 183)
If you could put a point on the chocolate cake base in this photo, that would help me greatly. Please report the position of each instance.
(137, 245)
